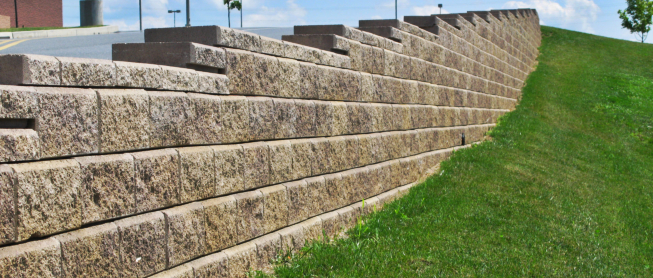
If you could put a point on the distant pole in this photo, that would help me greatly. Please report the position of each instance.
(174, 16)
(241, 14)
(16, 10)
(140, 13)
(396, 17)
(187, 13)
(440, 6)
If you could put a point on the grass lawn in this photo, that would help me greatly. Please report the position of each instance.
(42, 28)
(564, 188)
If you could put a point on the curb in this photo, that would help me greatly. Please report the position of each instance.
(59, 33)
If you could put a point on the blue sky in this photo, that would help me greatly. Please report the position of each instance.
(592, 16)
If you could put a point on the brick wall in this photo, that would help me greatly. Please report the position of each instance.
(205, 151)
(34, 13)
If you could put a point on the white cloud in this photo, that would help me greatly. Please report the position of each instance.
(428, 10)
(148, 22)
(400, 4)
(292, 14)
(583, 12)
(377, 17)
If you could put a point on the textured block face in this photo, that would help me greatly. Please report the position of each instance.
(186, 237)
(337, 153)
(261, 118)
(250, 222)
(33, 259)
(368, 90)
(312, 229)
(311, 80)
(333, 195)
(305, 125)
(212, 83)
(221, 217)
(316, 193)
(182, 271)
(30, 69)
(292, 238)
(377, 179)
(169, 118)
(267, 248)
(107, 187)
(206, 127)
(179, 79)
(19, 144)
(229, 168)
(214, 265)
(242, 258)
(157, 179)
(87, 72)
(257, 170)
(124, 120)
(142, 244)
(137, 75)
(349, 187)
(91, 252)
(341, 123)
(321, 162)
(287, 83)
(403, 119)
(234, 113)
(349, 217)
(281, 161)
(331, 224)
(355, 117)
(275, 207)
(370, 149)
(7, 205)
(47, 197)
(286, 117)
(323, 118)
(197, 174)
(298, 201)
(67, 121)
(351, 158)
(272, 47)
(19, 102)
(248, 73)
(302, 156)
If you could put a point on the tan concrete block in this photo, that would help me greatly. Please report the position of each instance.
(354, 113)
(387, 197)
(334, 197)
(391, 89)
(292, 238)
(412, 144)
(364, 183)
(107, 187)
(365, 152)
(349, 217)
(93, 252)
(214, 265)
(220, 223)
(376, 117)
(272, 47)
(311, 80)
(287, 79)
(212, 83)
(356, 55)
(30, 69)
(234, 114)
(19, 102)
(351, 153)
(182, 271)
(229, 168)
(179, 79)
(368, 89)
(67, 121)
(341, 121)
(250, 222)
(242, 259)
(285, 117)
(7, 205)
(197, 174)
(257, 165)
(389, 140)
(268, 247)
(87, 72)
(406, 171)
(40, 258)
(403, 119)
(298, 201)
(47, 197)
(312, 229)
(169, 118)
(349, 187)
(19, 144)
(332, 224)
(281, 161)
(337, 153)
(406, 144)
(366, 118)
(321, 161)
(316, 187)
(324, 118)
(124, 120)
(262, 120)
(157, 179)
(302, 156)
(138, 75)
(375, 180)
(301, 52)
(142, 244)
(250, 73)
(206, 127)
(396, 174)
(371, 149)
(185, 233)
(275, 211)
(306, 121)
(386, 120)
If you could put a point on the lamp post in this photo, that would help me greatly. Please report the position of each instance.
(241, 14)
(187, 13)
(174, 16)
(396, 17)
(440, 6)
(140, 13)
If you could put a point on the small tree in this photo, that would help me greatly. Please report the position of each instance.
(638, 17)
(232, 4)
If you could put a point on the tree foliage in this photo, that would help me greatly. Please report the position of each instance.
(638, 17)
(232, 4)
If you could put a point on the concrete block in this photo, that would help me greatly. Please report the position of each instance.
(299, 201)
(138, 75)
(332, 224)
(212, 83)
(107, 187)
(292, 238)
(406, 145)
(67, 121)
(302, 154)
(316, 187)
(242, 259)
(142, 244)
(22, 69)
(197, 174)
(206, 127)
(19, 102)
(169, 118)
(272, 46)
(337, 153)
(174, 54)
(262, 121)
(185, 234)
(372, 59)
(40, 258)
(93, 251)
(356, 54)
(349, 217)
(209, 35)
(354, 114)
(321, 161)
(229, 168)
(312, 229)
(409, 92)
(182, 271)
(285, 116)
(301, 52)
(179, 79)
(341, 123)
(366, 118)
(349, 187)
(306, 125)
(157, 179)
(333, 197)
(234, 114)
(47, 197)
(311, 81)
(87, 72)
(368, 90)
(387, 197)
(124, 120)
(396, 65)
(251, 73)
(391, 89)
(214, 265)
(220, 223)
(7, 205)
(351, 157)
(268, 247)
(257, 167)
(387, 120)
(389, 142)
(275, 211)
(250, 222)
(375, 180)
(281, 161)
(377, 118)
(19, 144)
(286, 79)
(403, 116)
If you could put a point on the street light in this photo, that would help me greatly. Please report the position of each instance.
(187, 13)
(440, 6)
(174, 16)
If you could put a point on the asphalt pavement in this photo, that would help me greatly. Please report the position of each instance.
(99, 46)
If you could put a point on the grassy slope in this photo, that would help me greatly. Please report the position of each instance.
(564, 189)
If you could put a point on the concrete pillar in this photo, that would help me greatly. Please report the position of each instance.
(90, 12)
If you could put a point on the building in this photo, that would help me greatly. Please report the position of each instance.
(33, 13)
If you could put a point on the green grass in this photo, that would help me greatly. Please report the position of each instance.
(564, 189)
(43, 28)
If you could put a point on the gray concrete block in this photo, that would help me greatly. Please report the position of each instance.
(209, 35)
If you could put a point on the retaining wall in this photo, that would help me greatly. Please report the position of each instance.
(206, 151)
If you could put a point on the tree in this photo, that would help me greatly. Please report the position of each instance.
(638, 17)
(232, 4)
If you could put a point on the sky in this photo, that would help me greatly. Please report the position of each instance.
(591, 16)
